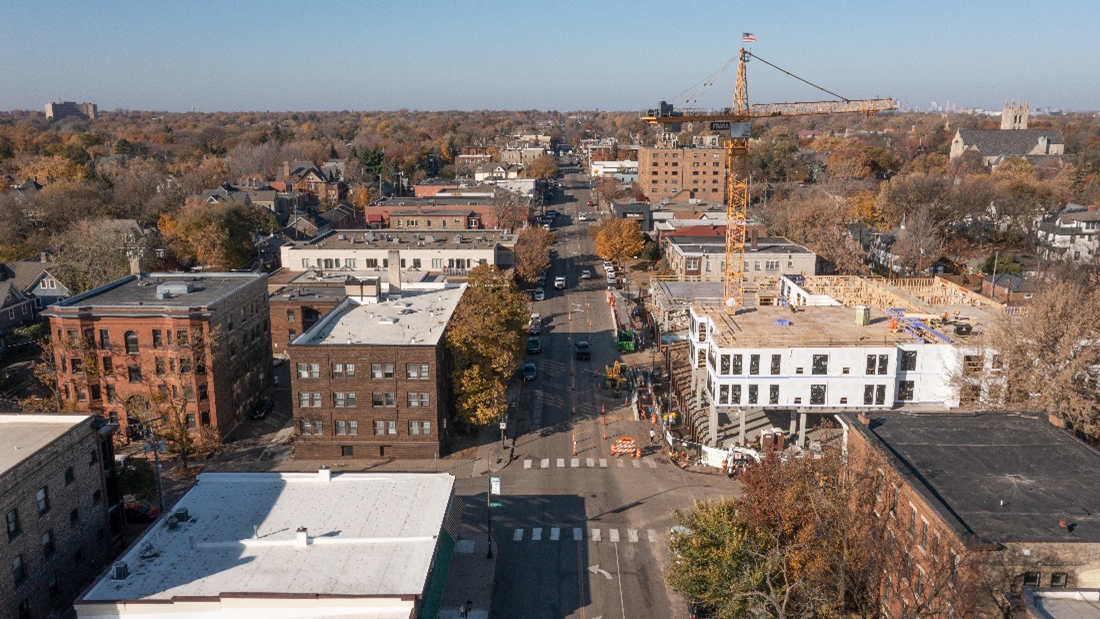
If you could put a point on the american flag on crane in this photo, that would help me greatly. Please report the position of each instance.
(748, 37)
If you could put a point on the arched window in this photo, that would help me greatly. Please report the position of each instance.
(131, 343)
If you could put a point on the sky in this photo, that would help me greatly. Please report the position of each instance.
(271, 55)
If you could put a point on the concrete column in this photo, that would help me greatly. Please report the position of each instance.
(794, 424)
(712, 420)
(802, 430)
(742, 414)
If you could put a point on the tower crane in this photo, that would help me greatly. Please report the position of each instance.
(736, 120)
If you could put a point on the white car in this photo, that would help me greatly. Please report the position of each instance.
(586, 274)
(582, 217)
(608, 267)
(559, 283)
(540, 294)
(611, 279)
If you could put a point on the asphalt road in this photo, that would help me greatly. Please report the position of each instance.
(582, 536)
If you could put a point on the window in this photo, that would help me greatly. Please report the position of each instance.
(754, 365)
(158, 364)
(108, 365)
(391, 427)
(181, 337)
(347, 451)
(908, 361)
(880, 395)
(308, 427)
(110, 393)
(185, 366)
(203, 396)
(379, 428)
(1058, 579)
(51, 585)
(13, 523)
(773, 394)
(894, 501)
(353, 428)
(384, 399)
(754, 392)
(309, 399)
(158, 341)
(723, 394)
(48, 545)
(820, 365)
(343, 370)
(871, 364)
(1031, 579)
(74, 516)
(724, 365)
(905, 391)
(693, 264)
(771, 265)
(912, 521)
(414, 428)
(868, 395)
(735, 394)
(309, 370)
(70, 477)
(918, 588)
(817, 394)
(131, 343)
(134, 373)
(417, 371)
(342, 399)
(924, 534)
(290, 315)
(97, 497)
(18, 569)
(76, 366)
(341, 428)
(104, 338)
(43, 498)
(777, 361)
(381, 370)
(735, 367)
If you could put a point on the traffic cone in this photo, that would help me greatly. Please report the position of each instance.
(605, 433)
(574, 448)
(638, 453)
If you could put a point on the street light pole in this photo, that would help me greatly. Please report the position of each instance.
(152, 424)
(489, 518)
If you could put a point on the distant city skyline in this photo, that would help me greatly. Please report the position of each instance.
(568, 55)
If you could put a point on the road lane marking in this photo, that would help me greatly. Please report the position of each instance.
(632, 535)
(546, 463)
(518, 535)
(578, 534)
(536, 534)
(613, 534)
(526, 464)
(603, 463)
(590, 462)
(595, 535)
(636, 464)
(652, 463)
(575, 462)
(619, 462)
(555, 534)
(652, 535)
(561, 462)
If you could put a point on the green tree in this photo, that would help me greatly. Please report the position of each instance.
(486, 339)
(138, 478)
(1006, 264)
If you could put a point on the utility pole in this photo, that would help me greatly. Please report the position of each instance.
(993, 284)
(152, 425)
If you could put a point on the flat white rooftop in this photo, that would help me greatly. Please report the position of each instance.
(22, 436)
(369, 535)
(419, 317)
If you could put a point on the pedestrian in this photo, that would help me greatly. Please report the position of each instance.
(652, 436)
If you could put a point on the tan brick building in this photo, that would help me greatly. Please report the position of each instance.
(200, 340)
(56, 489)
(978, 507)
(682, 173)
(372, 378)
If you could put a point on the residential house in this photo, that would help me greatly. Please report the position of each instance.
(486, 171)
(324, 183)
(1073, 235)
(1012, 290)
(34, 279)
(703, 258)
(16, 309)
(226, 193)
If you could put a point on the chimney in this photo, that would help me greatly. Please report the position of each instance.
(395, 272)
(286, 170)
(324, 473)
(754, 233)
(137, 265)
(302, 539)
(864, 419)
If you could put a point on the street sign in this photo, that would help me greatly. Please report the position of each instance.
(504, 425)
(496, 504)
(494, 483)
(720, 125)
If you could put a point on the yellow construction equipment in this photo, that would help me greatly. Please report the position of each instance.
(616, 378)
(736, 120)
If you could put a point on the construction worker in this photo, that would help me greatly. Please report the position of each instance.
(652, 436)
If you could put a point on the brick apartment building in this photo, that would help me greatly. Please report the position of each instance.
(56, 489)
(372, 378)
(202, 340)
(978, 507)
(682, 173)
(296, 308)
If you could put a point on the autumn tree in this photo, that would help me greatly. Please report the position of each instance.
(918, 241)
(510, 210)
(486, 338)
(532, 252)
(94, 254)
(819, 221)
(215, 236)
(617, 240)
(1046, 359)
(543, 168)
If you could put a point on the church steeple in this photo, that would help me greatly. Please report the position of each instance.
(1014, 115)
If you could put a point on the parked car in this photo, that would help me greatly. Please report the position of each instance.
(582, 217)
(586, 274)
(559, 283)
(607, 266)
(261, 410)
(540, 294)
(591, 203)
(529, 372)
(584, 350)
(534, 347)
(536, 325)
(611, 278)
(140, 511)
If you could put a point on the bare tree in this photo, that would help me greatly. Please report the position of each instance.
(918, 243)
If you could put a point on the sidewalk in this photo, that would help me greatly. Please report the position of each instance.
(471, 574)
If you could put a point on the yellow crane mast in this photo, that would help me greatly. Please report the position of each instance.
(736, 120)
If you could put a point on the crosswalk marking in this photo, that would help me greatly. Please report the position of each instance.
(619, 462)
(546, 463)
(526, 464)
(595, 535)
(636, 464)
(575, 462)
(652, 535)
(603, 463)
(613, 534)
(590, 462)
(555, 534)
(518, 535)
(561, 462)
(632, 535)
(536, 534)
(578, 534)
(652, 463)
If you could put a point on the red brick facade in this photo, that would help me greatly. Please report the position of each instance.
(295, 310)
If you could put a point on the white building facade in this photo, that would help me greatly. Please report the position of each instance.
(356, 250)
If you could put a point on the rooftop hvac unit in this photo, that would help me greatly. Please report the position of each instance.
(458, 238)
(120, 570)
(963, 329)
(172, 523)
(182, 515)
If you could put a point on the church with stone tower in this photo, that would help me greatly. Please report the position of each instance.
(1014, 116)
(1013, 140)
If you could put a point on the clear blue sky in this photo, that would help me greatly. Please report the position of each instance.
(549, 55)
